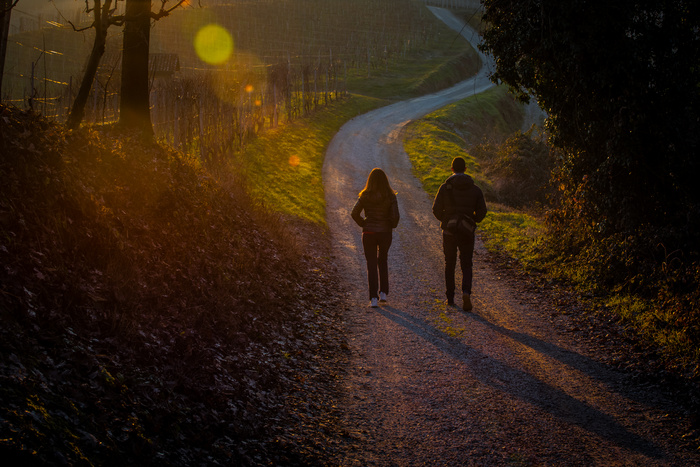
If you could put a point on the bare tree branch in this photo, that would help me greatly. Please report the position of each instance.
(5, 10)
(163, 12)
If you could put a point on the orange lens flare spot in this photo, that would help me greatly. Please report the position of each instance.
(249, 88)
(294, 161)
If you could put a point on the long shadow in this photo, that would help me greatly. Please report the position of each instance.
(586, 365)
(511, 381)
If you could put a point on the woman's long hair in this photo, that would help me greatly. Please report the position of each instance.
(377, 184)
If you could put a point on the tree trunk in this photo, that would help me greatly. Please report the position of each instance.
(5, 10)
(134, 113)
(98, 49)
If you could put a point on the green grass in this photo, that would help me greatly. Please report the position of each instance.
(441, 63)
(660, 327)
(511, 232)
(434, 140)
(283, 167)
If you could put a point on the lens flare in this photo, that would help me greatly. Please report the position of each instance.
(213, 44)
(294, 161)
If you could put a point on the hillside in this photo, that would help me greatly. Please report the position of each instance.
(126, 339)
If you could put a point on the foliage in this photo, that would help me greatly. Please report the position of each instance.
(141, 300)
(620, 85)
(519, 169)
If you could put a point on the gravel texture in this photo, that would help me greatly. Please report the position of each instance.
(505, 384)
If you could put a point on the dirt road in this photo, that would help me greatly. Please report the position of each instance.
(432, 385)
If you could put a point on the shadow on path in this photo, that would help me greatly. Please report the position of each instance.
(525, 386)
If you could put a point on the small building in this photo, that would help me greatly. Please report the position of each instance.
(163, 66)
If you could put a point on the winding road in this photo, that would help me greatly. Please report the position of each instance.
(431, 385)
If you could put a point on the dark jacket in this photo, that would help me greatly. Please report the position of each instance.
(459, 195)
(381, 213)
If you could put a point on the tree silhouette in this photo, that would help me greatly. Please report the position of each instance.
(134, 103)
(103, 18)
(620, 82)
(134, 108)
(6, 7)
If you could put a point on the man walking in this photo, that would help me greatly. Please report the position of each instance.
(459, 205)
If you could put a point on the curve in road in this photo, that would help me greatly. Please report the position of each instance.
(432, 385)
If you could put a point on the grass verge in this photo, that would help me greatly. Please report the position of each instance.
(433, 141)
(283, 167)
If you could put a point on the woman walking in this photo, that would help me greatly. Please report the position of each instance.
(381, 208)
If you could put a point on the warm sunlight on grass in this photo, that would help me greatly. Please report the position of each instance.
(512, 232)
(433, 141)
(213, 44)
(283, 166)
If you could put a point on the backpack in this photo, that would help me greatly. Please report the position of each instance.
(459, 224)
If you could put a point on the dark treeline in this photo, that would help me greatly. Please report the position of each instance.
(620, 83)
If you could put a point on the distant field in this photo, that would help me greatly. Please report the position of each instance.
(362, 38)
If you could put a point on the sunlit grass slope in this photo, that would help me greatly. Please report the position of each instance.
(283, 167)
(434, 140)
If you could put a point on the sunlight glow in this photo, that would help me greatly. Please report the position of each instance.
(213, 44)
(249, 88)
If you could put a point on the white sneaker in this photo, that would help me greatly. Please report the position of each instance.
(382, 297)
(373, 303)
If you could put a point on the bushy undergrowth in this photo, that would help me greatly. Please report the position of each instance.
(150, 313)
(655, 291)
(519, 169)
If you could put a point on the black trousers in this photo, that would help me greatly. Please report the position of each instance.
(376, 246)
(450, 244)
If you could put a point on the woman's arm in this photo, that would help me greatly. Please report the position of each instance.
(356, 213)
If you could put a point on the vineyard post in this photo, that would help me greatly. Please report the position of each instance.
(289, 88)
(176, 123)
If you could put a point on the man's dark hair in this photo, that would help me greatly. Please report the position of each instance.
(458, 165)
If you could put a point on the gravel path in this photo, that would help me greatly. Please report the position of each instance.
(433, 385)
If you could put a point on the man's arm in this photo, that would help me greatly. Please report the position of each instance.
(439, 205)
(480, 211)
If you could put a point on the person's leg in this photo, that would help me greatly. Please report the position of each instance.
(369, 244)
(449, 247)
(466, 256)
(384, 242)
